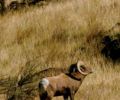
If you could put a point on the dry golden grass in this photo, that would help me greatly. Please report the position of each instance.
(59, 34)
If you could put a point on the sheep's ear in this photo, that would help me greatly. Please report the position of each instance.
(74, 69)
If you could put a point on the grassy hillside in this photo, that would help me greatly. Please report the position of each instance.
(59, 34)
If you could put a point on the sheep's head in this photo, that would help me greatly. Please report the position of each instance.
(80, 69)
(83, 69)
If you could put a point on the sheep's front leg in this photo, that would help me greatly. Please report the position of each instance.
(65, 97)
(72, 93)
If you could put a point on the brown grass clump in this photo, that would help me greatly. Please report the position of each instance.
(54, 36)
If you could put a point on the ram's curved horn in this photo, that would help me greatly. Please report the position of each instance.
(79, 63)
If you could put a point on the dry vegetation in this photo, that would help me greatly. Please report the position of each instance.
(57, 35)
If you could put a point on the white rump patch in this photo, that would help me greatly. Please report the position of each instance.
(45, 82)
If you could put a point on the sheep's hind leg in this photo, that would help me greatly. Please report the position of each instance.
(45, 98)
(49, 98)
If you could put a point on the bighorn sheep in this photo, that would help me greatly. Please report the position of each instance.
(65, 84)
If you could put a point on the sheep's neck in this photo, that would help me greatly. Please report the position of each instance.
(74, 77)
(75, 82)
